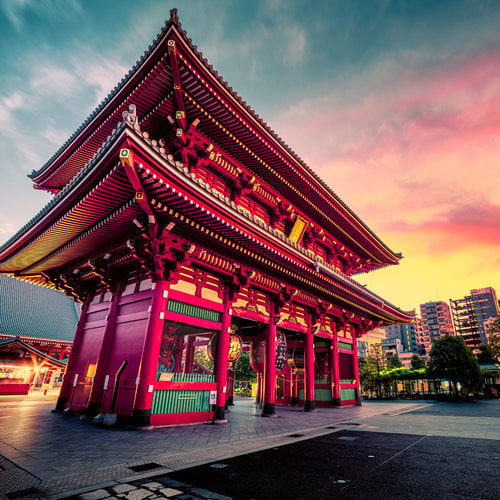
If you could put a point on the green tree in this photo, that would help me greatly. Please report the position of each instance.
(367, 375)
(452, 360)
(493, 332)
(416, 362)
(376, 363)
(395, 362)
(243, 371)
(485, 355)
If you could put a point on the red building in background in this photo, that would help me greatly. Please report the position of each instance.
(186, 227)
(435, 322)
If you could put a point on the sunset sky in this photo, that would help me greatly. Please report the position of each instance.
(395, 104)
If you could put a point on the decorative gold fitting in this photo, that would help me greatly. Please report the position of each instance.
(126, 157)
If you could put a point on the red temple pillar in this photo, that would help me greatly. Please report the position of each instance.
(269, 406)
(294, 392)
(221, 362)
(309, 401)
(230, 394)
(97, 392)
(355, 367)
(334, 360)
(67, 386)
(141, 413)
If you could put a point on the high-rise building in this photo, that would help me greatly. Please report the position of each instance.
(409, 333)
(436, 322)
(472, 312)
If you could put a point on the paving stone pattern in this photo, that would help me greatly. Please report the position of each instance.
(161, 487)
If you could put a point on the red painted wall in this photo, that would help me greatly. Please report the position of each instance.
(87, 354)
(128, 339)
(127, 345)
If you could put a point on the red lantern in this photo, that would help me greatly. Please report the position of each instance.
(258, 353)
(235, 347)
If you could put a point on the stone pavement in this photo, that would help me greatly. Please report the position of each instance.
(46, 455)
(52, 456)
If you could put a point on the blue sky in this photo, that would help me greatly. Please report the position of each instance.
(394, 103)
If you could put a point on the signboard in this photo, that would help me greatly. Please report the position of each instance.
(298, 229)
(213, 397)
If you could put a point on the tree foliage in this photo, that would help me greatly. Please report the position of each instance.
(485, 355)
(416, 362)
(493, 332)
(452, 360)
(395, 362)
(376, 357)
(243, 371)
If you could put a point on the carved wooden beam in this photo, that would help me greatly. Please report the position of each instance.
(159, 250)
(240, 277)
(70, 285)
(100, 269)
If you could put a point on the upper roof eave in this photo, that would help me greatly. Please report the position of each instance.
(40, 175)
(34, 226)
(393, 257)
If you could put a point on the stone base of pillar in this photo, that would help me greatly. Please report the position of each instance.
(337, 402)
(219, 421)
(309, 405)
(269, 410)
(92, 409)
(60, 405)
(219, 413)
(230, 401)
(358, 400)
(141, 417)
(294, 401)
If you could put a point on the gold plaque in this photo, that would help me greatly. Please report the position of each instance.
(298, 229)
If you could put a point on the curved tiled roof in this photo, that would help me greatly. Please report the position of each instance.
(275, 145)
(32, 311)
(17, 342)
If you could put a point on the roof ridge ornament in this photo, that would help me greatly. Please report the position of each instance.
(173, 16)
(130, 117)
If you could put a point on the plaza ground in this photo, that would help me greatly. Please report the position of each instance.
(398, 449)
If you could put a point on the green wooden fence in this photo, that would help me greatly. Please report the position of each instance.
(168, 401)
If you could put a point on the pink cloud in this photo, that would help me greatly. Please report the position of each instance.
(414, 150)
(422, 142)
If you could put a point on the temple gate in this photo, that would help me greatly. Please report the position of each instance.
(183, 223)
